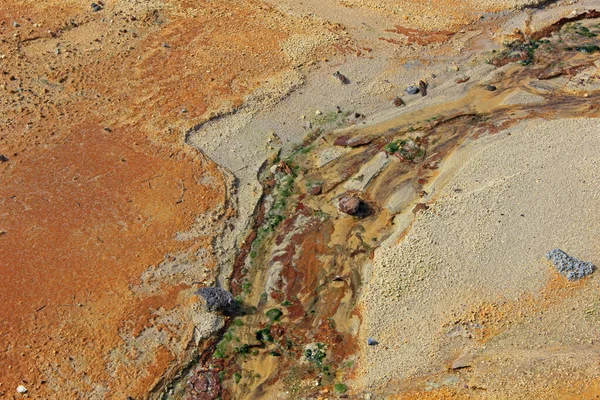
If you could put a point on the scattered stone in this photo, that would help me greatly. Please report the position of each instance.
(184, 110)
(205, 384)
(217, 299)
(398, 102)
(491, 88)
(372, 342)
(460, 364)
(353, 141)
(318, 112)
(420, 207)
(166, 45)
(341, 77)
(96, 7)
(16, 24)
(463, 80)
(455, 67)
(359, 115)
(349, 204)
(3, 158)
(21, 389)
(316, 190)
(412, 89)
(570, 267)
(423, 88)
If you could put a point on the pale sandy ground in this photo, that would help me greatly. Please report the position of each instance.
(504, 201)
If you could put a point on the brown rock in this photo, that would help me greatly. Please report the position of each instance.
(349, 204)
(315, 190)
(205, 385)
(346, 140)
(420, 207)
(398, 102)
(423, 88)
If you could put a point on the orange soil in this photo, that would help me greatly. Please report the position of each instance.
(98, 180)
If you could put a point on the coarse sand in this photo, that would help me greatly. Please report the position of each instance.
(503, 202)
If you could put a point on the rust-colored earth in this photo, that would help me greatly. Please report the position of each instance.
(95, 178)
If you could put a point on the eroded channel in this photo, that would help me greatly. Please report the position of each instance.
(298, 280)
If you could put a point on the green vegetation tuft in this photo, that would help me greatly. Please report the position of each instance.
(588, 48)
(274, 314)
(340, 388)
(316, 355)
(237, 377)
(264, 335)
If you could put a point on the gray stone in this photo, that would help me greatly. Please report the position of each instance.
(217, 299)
(412, 89)
(570, 267)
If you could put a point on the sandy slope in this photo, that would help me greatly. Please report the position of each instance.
(469, 282)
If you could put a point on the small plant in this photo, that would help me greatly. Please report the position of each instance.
(237, 377)
(581, 30)
(274, 314)
(316, 355)
(340, 388)
(406, 149)
(286, 303)
(588, 49)
(244, 349)
(264, 335)
(221, 349)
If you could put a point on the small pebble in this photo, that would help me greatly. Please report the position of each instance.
(491, 88)
(318, 112)
(96, 7)
(21, 389)
(398, 102)
(412, 89)
(16, 24)
(372, 342)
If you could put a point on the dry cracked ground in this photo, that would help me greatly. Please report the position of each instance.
(109, 219)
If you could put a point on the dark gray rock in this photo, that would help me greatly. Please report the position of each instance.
(341, 77)
(412, 89)
(96, 7)
(372, 342)
(570, 267)
(217, 299)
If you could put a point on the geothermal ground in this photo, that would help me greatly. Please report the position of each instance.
(379, 244)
